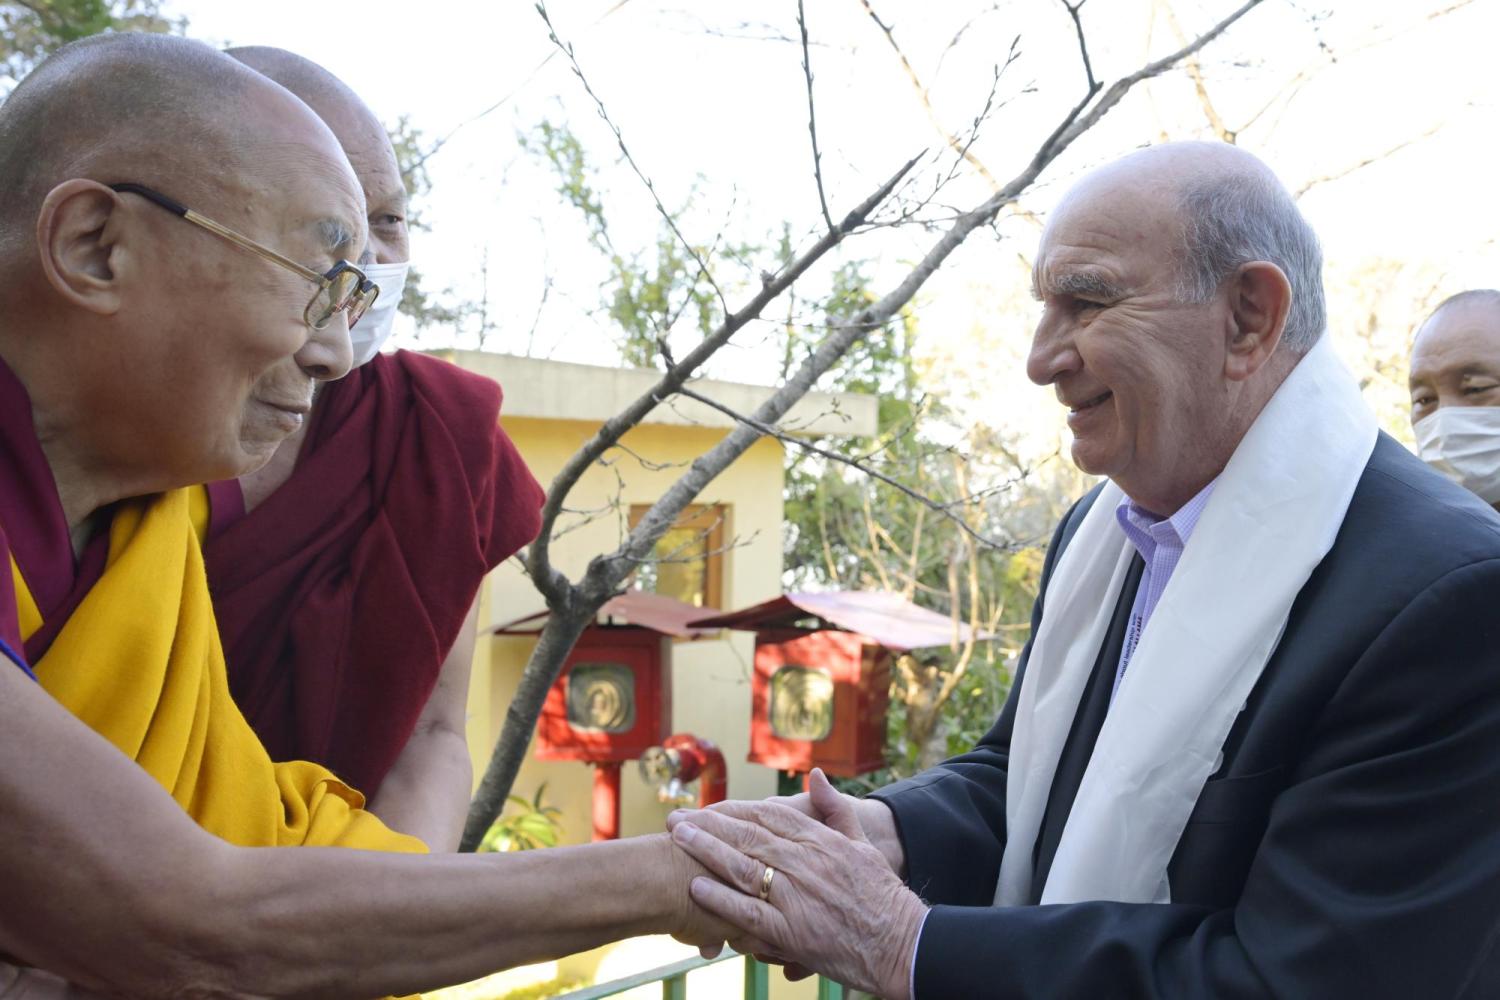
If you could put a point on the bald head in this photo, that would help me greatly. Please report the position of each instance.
(1227, 208)
(364, 140)
(1180, 286)
(1455, 359)
(1476, 303)
(158, 352)
(159, 110)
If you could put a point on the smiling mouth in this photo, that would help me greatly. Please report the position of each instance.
(1089, 404)
(299, 409)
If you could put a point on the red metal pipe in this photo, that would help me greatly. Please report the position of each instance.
(700, 759)
(607, 800)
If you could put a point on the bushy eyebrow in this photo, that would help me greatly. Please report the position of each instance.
(336, 237)
(1082, 284)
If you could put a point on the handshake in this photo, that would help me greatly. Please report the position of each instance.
(811, 882)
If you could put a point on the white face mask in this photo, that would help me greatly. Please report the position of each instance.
(374, 328)
(1463, 443)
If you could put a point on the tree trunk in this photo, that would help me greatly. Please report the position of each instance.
(553, 645)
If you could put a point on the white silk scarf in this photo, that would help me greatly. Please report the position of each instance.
(1273, 516)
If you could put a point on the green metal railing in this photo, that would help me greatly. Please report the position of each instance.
(673, 979)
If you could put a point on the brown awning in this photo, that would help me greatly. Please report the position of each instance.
(635, 608)
(881, 616)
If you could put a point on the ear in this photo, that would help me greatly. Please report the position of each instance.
(1260, 298)
(76, 236)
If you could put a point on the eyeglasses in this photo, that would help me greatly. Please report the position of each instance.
(343, 288)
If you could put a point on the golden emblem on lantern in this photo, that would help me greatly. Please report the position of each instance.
(801, 703)
(601, 697)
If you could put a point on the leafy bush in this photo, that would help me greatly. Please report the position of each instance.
(525, 825)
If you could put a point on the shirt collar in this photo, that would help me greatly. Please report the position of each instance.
(1146, 530)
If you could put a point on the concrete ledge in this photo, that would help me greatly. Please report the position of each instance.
(561, 390)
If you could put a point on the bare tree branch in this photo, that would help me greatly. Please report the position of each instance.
(1081, 123)
(1367, 161)
(767, 430)
(812, 116)
(610, 432)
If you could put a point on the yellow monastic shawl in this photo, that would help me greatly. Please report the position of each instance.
(140, 662)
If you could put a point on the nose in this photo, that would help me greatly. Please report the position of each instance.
(1053, 351)
(328, 355)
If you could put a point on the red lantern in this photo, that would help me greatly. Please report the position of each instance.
(822, 674)
(612, 701)
(819, 699)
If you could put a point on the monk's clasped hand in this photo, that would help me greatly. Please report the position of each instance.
(813, 894)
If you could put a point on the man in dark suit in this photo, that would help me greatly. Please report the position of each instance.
(1290, 785)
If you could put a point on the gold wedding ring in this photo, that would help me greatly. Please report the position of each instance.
(765, 883)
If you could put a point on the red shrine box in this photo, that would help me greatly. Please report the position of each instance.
(613, 699)
(819, 699)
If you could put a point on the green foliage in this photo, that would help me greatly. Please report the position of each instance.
(525, 826)
(30, 30)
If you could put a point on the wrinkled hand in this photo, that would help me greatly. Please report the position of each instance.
(875, 820)
(834, 904)
(693, 925)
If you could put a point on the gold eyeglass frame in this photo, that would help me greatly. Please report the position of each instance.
(356, 301)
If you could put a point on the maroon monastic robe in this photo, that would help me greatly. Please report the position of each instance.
(339, 596)
(35, 528)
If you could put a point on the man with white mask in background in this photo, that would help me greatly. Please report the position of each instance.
(1455, 391)
(345, 572)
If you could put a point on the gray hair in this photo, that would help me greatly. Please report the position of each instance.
(1242, 216)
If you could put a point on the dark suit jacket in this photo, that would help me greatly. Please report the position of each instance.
(1348, 845)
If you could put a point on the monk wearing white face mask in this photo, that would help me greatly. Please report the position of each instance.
(1455, 391)
(347, 617)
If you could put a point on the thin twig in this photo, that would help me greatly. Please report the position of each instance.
(925, 98)
(567, 49)
(766, 430)
(1075, 11)
(1200, 84)
(812, 116)
(444, 139)
(1367, 161)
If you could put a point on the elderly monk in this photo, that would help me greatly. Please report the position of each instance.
(1253, 745)
(1455, 391)
(344, 571)
(175, 278)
